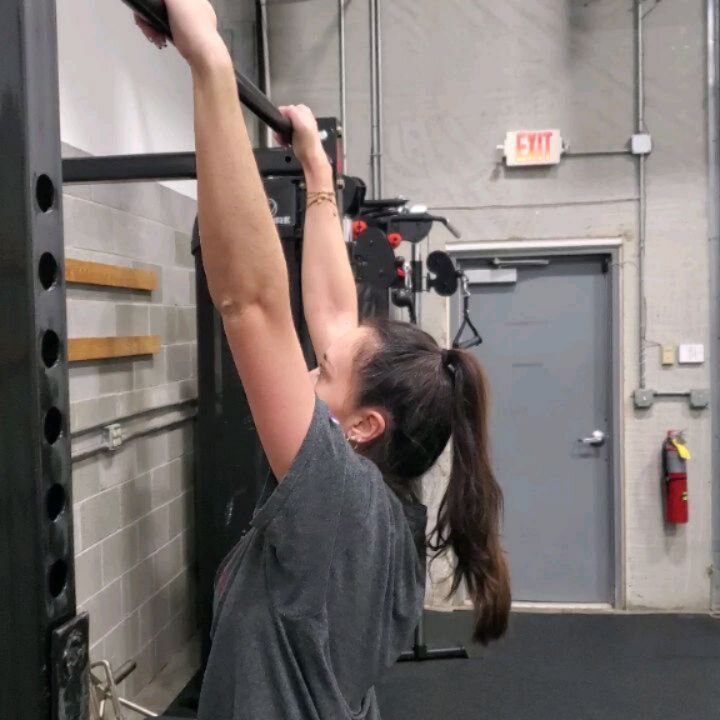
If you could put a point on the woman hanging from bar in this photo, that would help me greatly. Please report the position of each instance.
(324, 592)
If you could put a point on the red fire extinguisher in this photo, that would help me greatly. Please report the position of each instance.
(675, 457)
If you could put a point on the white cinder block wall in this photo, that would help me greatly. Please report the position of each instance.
(457, 76)
(133, 508)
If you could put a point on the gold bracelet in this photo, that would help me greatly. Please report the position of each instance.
(318, 198)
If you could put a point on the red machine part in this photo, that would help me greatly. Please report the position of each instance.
(358, 228)
(395, 240)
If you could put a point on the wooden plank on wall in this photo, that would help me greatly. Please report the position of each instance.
(82, 272)
(112, 347)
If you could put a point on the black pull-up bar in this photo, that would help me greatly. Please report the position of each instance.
(155, 14)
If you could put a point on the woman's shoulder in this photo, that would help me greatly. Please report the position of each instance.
(367, 495)
(367, 499)
(364, 482)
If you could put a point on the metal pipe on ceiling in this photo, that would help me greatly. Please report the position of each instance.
(642, 206)
(373, 97)
(266, 135)
(376, 100)
(379, 103)
(342, 65)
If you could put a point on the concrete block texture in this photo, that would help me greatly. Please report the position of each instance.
(119, 552)
(152, 202)
(131, 506)
(152, 451)
(183, 254)
(179, 362)
(98, 516)
(153, 530)
(150, 371)
(132, 319)
(133, 572)
(85, 479)
(105, 610)
(457, 77)
(88, 573)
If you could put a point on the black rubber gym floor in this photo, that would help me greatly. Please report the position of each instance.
(565, 667)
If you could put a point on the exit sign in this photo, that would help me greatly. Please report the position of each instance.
(525, 148)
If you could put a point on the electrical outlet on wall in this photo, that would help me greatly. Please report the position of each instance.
(113, 436)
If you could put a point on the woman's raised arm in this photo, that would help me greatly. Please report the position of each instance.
(242, 254)
(328, 286)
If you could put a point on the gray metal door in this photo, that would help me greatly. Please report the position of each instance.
(547, 352)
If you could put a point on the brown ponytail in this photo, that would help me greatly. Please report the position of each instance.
(429, 396)
(469, 514)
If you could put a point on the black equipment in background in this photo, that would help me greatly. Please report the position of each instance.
(354, 191)
(475, 339)
(374, 260)
(404, 298)
(398, 223)
(444, 278)
(444, 281)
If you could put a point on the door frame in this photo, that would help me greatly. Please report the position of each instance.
(612, 247)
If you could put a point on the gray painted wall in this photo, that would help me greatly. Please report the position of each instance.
(458, 75)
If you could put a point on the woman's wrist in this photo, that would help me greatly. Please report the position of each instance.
(211, 56)
(318, 174)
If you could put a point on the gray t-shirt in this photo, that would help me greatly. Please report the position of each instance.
(321, 595)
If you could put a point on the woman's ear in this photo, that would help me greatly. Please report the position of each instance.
(367, 426)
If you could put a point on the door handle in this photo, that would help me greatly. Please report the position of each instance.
(597, 439)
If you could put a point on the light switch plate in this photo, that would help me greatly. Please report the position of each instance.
(691, 354)
(668, 355)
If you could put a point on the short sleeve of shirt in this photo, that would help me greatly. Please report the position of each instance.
(302, 517)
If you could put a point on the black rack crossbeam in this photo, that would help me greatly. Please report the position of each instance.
(272, 162)
(155, 14)
(163, 166)
(129, 168)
